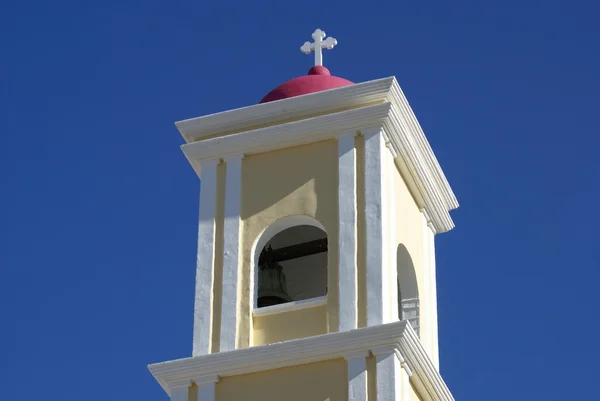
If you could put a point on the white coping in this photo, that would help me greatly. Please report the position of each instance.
(396, 337)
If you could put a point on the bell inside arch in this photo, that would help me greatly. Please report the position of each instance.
(272, 288)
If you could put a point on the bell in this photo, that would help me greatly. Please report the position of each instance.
(272, 289)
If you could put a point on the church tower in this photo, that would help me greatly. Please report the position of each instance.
(315, 277)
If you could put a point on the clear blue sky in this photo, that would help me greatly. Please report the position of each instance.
(98, 206)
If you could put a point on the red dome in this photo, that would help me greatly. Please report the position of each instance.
(318, 79)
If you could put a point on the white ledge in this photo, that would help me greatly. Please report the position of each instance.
(290, 306)
(398, 337)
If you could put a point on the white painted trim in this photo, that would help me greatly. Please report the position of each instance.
(290, 122)
(347, 247)
(399, 335)
(375, 236)
(289, 134)
(357, 376)
(393, 247)
(263, 238)
(435, 357)
(203, 302)
(272, 113)
(206, 388)
(290, 306)
(179, 390)
(388, 379)
(231, 254)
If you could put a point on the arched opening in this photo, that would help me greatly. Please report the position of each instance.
(291, 265)
(408, 291)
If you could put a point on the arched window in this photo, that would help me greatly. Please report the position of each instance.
(291, 265)
(408, 291)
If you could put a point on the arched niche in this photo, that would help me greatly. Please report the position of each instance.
(408, 290)
(299, 244)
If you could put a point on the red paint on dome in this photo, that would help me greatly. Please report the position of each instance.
(318, 79)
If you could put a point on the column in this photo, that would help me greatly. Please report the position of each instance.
(378, 304)
(179, 390)
(348, 286)
(203, 308)
(357, 375)
(231, 252)
(389, 374)
(206, 388)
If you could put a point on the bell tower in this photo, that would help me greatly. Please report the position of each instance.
(315, 263)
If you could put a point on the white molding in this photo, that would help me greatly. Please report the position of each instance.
(313, 349)
(272, 113)
(203, 302)
(290, 306)
(347, 247)
(375, 234)
(357, 377)
(289, 134)
(291, 122)
(231, 254)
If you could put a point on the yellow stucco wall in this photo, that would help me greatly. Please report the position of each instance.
(323, 381)
(288, 325)
(294, 181)
(410, 229)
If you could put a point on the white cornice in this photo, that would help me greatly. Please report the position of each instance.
(398, 336)
(378, 104)
(266, 114)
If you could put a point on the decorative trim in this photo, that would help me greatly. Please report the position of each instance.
(291, 122)
(388, 377)
(231, 254)
(289, 134)
(357, 355)
(290, 306)
(206, 388)
(203, 303)
(313, 349)
(205, 380)
(179, 390)
(278, 112)
(347, 247)
(357, 377)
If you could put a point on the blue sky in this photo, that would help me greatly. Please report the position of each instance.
(98, 205)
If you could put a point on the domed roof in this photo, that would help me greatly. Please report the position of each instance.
(318, 79)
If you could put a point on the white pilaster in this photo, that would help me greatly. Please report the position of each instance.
(231, 253)
(357, 376)
(205, 260)
(435, 357)
(206, 388)
(378, 304)
(393, 237)
(348, 286)
(179, 391)
(389, 374)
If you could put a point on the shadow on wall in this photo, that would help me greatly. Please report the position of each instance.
(408, 290)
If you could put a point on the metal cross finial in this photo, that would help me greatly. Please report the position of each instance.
(318, 45)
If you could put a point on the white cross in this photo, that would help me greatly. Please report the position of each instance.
(318, 45)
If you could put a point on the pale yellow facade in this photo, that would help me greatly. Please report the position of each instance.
(303, 180)
(323, 381)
